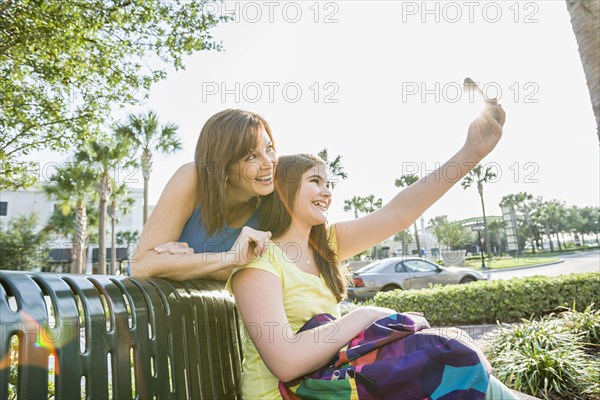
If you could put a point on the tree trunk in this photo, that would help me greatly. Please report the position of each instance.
(112, 214)
(529, 229)
(499, 241)
(105, 190)
(585, 19)
(558, 242)
(417, 238)
(404, 248)
(145, 218)
(547, 226)
(102, 239)
(113, 246)
(146, 168)
(78, 265)
(487, 233)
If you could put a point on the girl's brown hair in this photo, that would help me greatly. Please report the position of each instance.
(226, 138)
(276, 217)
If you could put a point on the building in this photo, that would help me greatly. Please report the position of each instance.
(27, 201)
(431, 248)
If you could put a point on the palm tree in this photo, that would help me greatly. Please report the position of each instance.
(510, 201)
(108, 156)
(148, 136)
(355, 204)
(336, 171)
(594, 213)
(72, 185)
(127, 238)
(120, 204)
(480, 176)
(371, 204)
(497, 226)
(591, 221)
(550, 214)
(585, 19)
(540, 220)
(405, 238)
(366, 204)
(523, 198)
(556, 214)
(405, 181)
(63, 221)
(519, 201)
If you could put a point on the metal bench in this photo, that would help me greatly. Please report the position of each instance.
(93, 336)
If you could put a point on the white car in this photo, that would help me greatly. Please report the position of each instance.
(406, 273)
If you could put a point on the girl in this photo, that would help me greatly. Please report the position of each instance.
(299, 276)
(208, 213)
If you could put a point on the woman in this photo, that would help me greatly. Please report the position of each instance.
(299, 275)
(205, 221)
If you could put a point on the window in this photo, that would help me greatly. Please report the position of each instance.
(3, 208)
(400, 267)
(419, 266)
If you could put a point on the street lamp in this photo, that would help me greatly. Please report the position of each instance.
(480, 228)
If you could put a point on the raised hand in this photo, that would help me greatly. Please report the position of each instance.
(485, 131)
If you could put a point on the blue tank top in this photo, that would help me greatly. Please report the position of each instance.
(195, 235)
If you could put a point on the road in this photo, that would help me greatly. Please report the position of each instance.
(573, 263)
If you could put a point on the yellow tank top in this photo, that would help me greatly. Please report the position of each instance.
(304, 296)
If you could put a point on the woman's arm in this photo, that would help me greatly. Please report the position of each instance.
(164, 226)
(360, 234)
(288, 355)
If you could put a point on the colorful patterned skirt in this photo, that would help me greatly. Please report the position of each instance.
(396, 357)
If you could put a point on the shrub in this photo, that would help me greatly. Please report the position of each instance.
(498, 300)
(545, 358)
(587, 323)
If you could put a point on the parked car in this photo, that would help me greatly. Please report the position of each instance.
(406, 273)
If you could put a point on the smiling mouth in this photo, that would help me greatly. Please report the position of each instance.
(265, 179)
(321, 204)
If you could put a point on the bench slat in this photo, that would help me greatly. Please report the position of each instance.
(183, 336)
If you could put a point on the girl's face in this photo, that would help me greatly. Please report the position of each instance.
(314, 197)
(253, 175)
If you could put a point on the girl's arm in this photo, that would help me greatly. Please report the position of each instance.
(360, 234)
(288, 355)
(165, 224)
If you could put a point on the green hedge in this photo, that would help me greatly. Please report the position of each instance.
(488, 302)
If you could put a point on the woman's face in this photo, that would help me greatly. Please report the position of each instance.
(313, 198)
(253, 175)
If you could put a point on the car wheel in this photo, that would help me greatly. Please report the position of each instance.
(389, 288)
(467, 279)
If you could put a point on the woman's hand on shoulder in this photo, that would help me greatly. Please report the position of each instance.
(250, 244)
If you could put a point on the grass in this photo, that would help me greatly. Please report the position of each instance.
(510, 262)
(565, 250)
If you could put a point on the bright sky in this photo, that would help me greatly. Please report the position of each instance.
(377, 82)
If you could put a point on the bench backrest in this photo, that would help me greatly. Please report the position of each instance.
(93, 336)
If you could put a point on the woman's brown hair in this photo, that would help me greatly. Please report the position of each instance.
(226, 138)
(276, 217)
